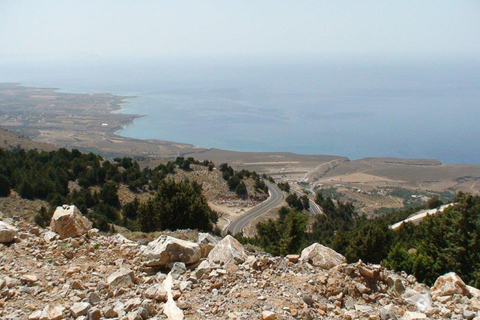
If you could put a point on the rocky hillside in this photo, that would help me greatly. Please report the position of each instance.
(70, 271)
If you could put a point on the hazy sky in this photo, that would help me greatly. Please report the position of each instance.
(422, 28)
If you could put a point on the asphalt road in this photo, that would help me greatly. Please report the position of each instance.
(314, 208)
(417, 218)
(276, 197)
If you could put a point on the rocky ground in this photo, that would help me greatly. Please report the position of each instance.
(77, 273)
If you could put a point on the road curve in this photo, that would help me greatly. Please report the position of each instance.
(314, 209)
(276, 197)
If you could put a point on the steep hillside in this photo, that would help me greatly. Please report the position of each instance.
(108, 276)
(118, 192)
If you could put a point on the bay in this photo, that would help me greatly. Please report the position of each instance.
(409, 109)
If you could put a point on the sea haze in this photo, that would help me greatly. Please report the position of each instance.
(368, 109)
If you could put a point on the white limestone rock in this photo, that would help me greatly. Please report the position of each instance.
(52, 313)
(422, 300)
(68, 222)
(7, 232)
(206, 242)
(165, 250)
(121, 278)
(449, 284)
(79, 309)
(322, 257)
(409, 315)
(50, 235)
(227, 251)
(156, 292)
(121, 239)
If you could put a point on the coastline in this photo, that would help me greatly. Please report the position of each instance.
(112, 107)
(91, 123)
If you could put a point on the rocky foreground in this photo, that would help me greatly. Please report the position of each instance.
(70, 271)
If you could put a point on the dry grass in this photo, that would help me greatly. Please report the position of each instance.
(16, 207)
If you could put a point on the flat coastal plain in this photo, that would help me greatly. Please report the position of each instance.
(89, 122)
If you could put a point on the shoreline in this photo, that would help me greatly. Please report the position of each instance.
(118, 107)
(91, 123)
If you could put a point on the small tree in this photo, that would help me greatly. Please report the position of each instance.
(4, 186)
(241, 189)
(42, 218)
(294, 202)
(233, 182)
(26, 190)
(434, 202)
(109, 195)
(176, 206)
(129, 210)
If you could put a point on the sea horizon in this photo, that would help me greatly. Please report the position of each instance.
(409, 110)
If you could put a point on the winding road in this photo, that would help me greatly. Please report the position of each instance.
(314, 209)
(276, 197)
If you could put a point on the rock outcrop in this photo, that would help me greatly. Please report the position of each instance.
(7, 232)
(165, 250)
(323, 257)
(69, 222)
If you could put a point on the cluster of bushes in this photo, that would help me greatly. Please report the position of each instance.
(176, 206)
(284, 235)
(37, 175)
(184, 164)
(412, 198)
(235, 180)
(298, 203)
(439, 244)
(284, 186)
(46, 176)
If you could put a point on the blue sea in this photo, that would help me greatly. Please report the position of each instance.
(357, 109)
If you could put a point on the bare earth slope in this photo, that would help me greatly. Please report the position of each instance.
(11, 140)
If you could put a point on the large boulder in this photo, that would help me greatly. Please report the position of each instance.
(68, 222)
(7, 232)
(321, 256)
(227, 251)
(449, 284)
(165, 250)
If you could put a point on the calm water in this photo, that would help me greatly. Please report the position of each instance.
(408, 110)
